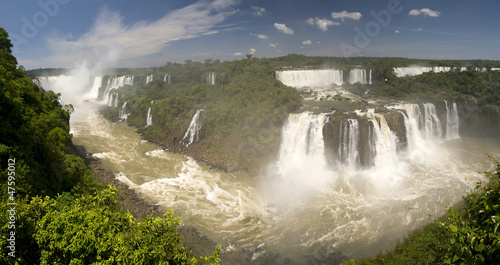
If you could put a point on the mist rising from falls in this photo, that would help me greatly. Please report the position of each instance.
(94, 91)
(74, 85)
(386, 148)
(302, 141)
(193, 132)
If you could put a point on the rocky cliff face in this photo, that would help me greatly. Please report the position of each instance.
(478, 121)
(350, 139)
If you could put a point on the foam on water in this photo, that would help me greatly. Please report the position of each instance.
(305, 207)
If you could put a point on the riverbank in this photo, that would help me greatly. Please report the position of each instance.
(129, 200)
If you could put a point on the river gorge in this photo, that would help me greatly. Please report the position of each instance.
(351, 183)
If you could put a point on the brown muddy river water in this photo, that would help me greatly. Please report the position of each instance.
(303, 206)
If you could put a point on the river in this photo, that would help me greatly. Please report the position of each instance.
(317, 212)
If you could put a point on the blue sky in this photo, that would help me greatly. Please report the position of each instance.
(111, 33)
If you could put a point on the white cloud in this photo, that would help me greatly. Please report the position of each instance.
(274, 45)
(344, 14)
(260, 36)
(283, 28)
(111, 40)
(237, 54)
(322, 23)
(396, 31)
(258, 11)
(252, 51)
(210, 32)
(419, 29)
(307, 42)
(425, 12)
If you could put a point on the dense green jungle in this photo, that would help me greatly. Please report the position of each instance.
(53, 211)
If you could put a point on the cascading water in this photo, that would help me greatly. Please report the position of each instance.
(452, 122)
(149, 118)
(117, 82)
(48, 82)
(302, 139)
(211, 79)
(117, 99)
(193, 132)
(306, 207)
(110, 100)
(385, 142)
(123, 112)
(432, 124)
(348, 143)
(94, 91)
(149, 78)
(310, 78)
(113, 99)
(166, 79)
(418, 70)
(360, 76)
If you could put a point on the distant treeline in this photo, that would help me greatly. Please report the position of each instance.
(289, 61)
(483, 86)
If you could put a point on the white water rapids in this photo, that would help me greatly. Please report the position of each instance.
(311, 210)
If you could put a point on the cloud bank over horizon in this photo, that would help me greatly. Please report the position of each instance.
(111, 40)
(131, 34)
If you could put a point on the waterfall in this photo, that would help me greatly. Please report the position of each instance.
(310, 78)
(302, 136)
(193, 132)
(166, 79)
(432, 124)
(117, 82)
(424, 129)
(418, 70)
(117, 99)
(94, 91)
(149, 119)
(45, 82)
(149, 78)
(386, 142)
(348, 143)
(360, 76)
(425, 125)
(111, 99)
(123, 111)
(301, 165)
(452, 124)
(211, 79)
